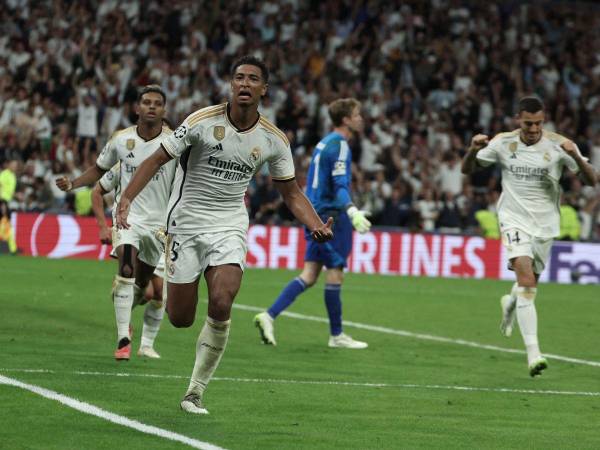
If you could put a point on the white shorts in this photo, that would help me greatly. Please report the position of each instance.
(519, 243)
(143, 239)
(189, 255)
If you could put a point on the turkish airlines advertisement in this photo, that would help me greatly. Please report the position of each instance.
(382, 252)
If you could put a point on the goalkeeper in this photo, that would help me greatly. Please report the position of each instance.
(328, 189)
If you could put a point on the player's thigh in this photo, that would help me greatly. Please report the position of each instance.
(223, 282)
(523, 267)
(143, 273)
(182, 302)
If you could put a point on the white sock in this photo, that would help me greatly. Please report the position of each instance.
(527, 318)
(209, 349)
(513, 294)
(123, 301)
(153, 314)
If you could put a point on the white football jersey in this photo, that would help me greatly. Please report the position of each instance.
(530, 199)
(216, 163)
(149, 208)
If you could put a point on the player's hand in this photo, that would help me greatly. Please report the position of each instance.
(105, 235)
(324, 233)
(478, 142)
(64, 183)
(570, 148)
(359, 219)
(123, 212)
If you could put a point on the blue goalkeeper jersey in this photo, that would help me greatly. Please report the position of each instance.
(329, 174)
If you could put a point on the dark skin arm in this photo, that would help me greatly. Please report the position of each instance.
(90, 176)
(469, 163)
(302, 209)
(588, 174)
(142, 176)
(98, 209)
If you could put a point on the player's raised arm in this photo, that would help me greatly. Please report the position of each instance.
(90, 176)
(469, 163)
(588, 174)
(140, 179)
(299, 205)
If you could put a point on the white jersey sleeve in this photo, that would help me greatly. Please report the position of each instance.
(110, 180)
(566, 160)
(108, 156)
(281, 163)
(181, 139)
(489, 154)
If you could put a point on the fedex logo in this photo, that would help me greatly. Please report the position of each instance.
(579, 259)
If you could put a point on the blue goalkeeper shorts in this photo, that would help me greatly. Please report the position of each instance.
(335, 252)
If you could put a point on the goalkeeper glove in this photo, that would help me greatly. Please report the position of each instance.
(359, 219)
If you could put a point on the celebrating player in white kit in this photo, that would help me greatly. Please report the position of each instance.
(532, 161)
(153, 296)
(220, 148)
(141, 248)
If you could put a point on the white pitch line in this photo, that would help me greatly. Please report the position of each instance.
(325, 383)
(426, 337)
(106, 415)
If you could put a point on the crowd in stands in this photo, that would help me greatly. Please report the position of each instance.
(428, 73)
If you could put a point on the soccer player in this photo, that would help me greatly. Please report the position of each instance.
(532, 161)
(153, 295)
(328, 189)
(141, 248)
(219, 148)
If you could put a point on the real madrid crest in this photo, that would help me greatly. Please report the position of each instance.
(130, 144)
(255, 154)
(219, 132)
(513, 147)
(547, 156)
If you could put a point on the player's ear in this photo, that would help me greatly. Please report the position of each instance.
(263, 92)
(136, 108)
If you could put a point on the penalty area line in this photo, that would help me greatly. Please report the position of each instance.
(421, 336)
(92, 410)
(324, 383)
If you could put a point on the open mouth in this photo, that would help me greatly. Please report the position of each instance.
(244, 95)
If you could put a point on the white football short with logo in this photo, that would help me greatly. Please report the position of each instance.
(519, 243)
(189, 255)
(143, 239)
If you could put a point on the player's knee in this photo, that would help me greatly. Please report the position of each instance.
(179, 320)
(309, 281)
(220, 303)
(126, 271)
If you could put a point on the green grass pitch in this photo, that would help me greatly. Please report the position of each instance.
(405, 391)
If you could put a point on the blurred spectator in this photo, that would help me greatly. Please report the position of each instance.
(6, 232)
(428, 210)
(449, 218)
(8, 181)
(570, 227)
